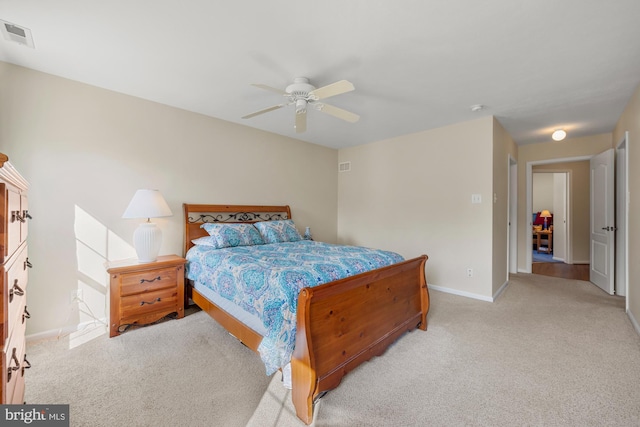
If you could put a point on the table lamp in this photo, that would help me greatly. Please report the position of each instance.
(147, 238)
(545, 214)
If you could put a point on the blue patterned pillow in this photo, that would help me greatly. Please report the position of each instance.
(278, 231)
(228, 235)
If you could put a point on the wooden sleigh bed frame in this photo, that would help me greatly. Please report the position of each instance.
(340, 324)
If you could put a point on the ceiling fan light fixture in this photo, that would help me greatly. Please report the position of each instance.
(301, 106)
(558, 135)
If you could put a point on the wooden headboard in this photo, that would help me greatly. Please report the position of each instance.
(196, 215)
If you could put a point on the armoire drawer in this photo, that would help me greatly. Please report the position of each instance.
(24, 224)
(14, 221)
(16, 290)
(13, 375)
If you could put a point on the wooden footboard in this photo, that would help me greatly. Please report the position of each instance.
(344, 323)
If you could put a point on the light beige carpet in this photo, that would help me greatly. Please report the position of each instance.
(548, 352)
(186, 372)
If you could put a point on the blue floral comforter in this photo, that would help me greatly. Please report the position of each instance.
(265, 280)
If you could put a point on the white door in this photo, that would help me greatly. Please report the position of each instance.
(622, 222)
(559, 216)
(513, 215)
(602, 220)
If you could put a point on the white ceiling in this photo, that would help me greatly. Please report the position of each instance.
(416, 64)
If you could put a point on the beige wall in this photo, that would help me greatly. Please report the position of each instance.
(504, 149)
(570, 148)
(412, 194)
(630, 121)
(85, 151)
(578, 204)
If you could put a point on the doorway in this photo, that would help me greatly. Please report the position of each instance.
(550, 195)
(551, 192)
(577, 258)
(571, 223)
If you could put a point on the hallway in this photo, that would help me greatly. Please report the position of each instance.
(559, 269)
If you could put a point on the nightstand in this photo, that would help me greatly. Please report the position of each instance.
(143, 293)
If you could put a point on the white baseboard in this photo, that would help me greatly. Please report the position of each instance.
(65, 331)
(500, 291)
(461, 293)
(634, 322)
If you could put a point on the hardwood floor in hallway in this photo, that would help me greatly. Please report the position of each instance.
(559, 269)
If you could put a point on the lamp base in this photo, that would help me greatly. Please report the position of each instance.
(147, 240)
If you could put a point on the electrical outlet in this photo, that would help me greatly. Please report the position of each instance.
(75, 295)
(469, 272)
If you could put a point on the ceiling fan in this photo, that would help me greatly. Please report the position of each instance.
(302, 94)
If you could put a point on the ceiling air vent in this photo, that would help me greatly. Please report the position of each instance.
(17, 34)
(344, 167)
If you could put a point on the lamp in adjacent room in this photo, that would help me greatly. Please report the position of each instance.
(545, 214)
(148, 237)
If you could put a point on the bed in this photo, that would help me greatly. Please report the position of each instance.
(338, 324)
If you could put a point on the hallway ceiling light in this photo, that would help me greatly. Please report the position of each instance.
(558, 135)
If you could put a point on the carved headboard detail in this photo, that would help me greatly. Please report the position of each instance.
(196, 215)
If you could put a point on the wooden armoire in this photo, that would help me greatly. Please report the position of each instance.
(14, 265)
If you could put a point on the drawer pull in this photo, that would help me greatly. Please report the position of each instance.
(15, 215)
(151, 302)
(26, 214)
(10, 369)
(150, 281)
(26, 315)
(15, 290)
(27, 264)
(25, 365)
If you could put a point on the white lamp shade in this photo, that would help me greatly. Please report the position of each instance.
(147, 204)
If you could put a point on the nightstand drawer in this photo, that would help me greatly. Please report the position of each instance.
(148, 281)
(140, 304)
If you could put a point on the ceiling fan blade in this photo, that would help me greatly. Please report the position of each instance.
(269, 88)
(301, 121)
(332, 90)
(266, 110)
(338, 112)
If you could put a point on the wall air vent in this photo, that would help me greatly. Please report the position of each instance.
(17, 34)
(344, 167)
